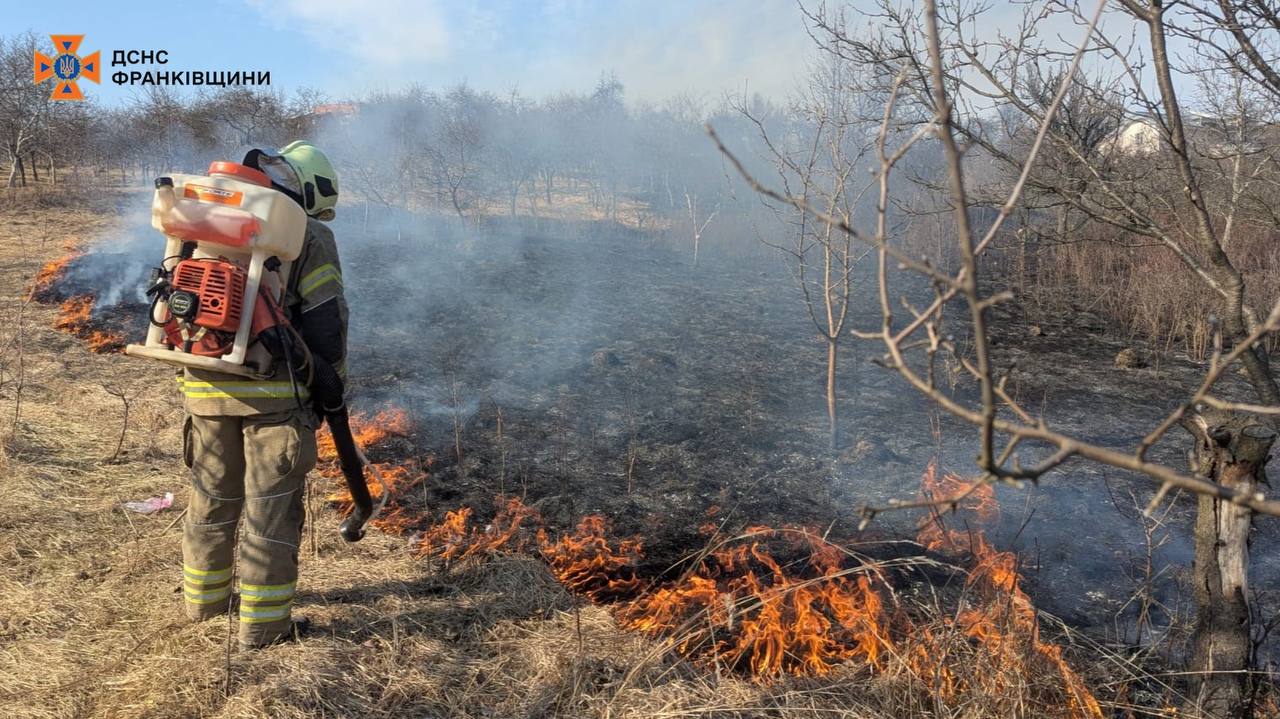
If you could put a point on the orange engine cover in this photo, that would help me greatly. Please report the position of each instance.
(220, 287)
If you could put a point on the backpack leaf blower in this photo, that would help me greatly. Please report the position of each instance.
(215, 299)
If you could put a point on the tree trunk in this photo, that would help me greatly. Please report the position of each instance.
(833, 415)
(1231, 450)
(456, 200)
(35, 173)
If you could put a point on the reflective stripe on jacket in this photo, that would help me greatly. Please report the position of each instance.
(240, 389)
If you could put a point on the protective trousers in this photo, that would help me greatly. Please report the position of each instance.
(254, 465)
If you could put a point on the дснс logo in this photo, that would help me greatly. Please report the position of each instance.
(67, 66)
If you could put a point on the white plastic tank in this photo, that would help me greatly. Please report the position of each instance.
(234, 207)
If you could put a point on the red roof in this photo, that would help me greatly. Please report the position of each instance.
(335, 108)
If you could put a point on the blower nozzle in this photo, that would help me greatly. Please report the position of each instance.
(352, 463)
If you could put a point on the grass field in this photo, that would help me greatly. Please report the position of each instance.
(91, 620)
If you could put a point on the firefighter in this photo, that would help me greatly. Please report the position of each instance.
(249, 444)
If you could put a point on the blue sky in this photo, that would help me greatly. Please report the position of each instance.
(348, 48)
(345, 48)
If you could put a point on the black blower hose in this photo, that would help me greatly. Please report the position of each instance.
(327, 392)
(327, 389)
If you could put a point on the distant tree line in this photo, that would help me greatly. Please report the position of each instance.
(457, 150)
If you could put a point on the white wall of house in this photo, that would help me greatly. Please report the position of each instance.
(1137, 138)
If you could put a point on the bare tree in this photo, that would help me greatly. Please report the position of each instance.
(458, 150)
(698, 222)
(244, 117)
(932, 61)
(514, 152)
(824, 163)
(23, 104)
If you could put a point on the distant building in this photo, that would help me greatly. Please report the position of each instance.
(1136, 137)
(341, 109)
(329, 114)
(1208, 135)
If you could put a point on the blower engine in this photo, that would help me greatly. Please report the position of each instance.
(230, 239)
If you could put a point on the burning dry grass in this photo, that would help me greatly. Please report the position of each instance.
(822, 612)
(775, 602)
(75, 314)
(998, 615)
(393, 477)
(43, 287)
(76, 318)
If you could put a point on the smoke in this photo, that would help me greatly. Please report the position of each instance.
(115, 266)
(458, 314)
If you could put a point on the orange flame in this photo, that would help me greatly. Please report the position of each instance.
(75, 317)
(455, 539)
(741, 608)
(51, 272)
(976, 498)
(586, 562)
(1003, 620)
(367, 431)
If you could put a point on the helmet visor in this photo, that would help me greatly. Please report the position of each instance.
(280, 172)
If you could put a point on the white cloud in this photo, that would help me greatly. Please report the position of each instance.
(657, 48)
(382, 34)
(708, 48)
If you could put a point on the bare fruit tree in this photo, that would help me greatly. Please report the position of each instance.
(959, 81)
(823, 159)
(24, 106)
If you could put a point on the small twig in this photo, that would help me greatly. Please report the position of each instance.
(124, 421)
(176, 519)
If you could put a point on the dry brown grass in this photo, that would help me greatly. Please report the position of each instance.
(1138, 287)
(90, 615)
